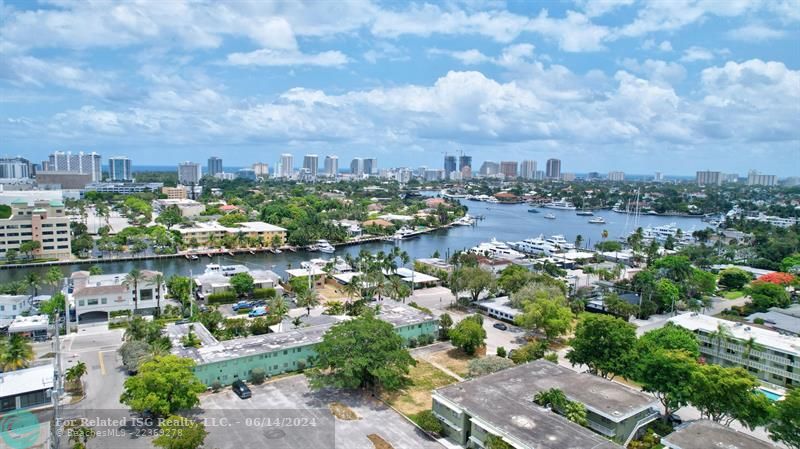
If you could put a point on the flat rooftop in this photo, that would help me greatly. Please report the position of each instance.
(26, 380)
(767, 338)
(705, 434)
(501, 304)
(211, 350)
(505, 401)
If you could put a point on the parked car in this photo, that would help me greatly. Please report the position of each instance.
(183, 321)
(242, 305)
(258, 311)
(500, 326)
(241, 390)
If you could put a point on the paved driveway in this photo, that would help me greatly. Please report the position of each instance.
(291, 400)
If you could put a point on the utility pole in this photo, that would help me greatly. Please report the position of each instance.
(55, 435)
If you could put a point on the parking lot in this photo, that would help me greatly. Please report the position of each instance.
(287, 414)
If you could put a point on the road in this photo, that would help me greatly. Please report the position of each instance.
(97, 346)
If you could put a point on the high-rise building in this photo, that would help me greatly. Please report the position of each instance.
(449, 166)
(189, 173)
(754, 178)
(489, 168)
(331, 166)
(261, 169)
(708, 178)
(616, 176)
(509, 169)
(311, 163)
(538, 175)
(246, 173)
(119, 168)
(214, 165)
(14, 169)
(527, 169)
(403, 175)
(82, 163)
(659, 177)
(370, 166)
(286, 168)
(464, 161)
(357, 166)
(568, 177)
(43, 221)
(553, 170)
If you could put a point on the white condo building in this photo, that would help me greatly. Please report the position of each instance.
(83, 163)
(286, 166)
(189, 173)
(331, 166)
(311, 163)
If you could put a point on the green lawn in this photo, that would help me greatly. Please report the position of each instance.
(733, 294)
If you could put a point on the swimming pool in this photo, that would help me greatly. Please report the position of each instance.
(771, 395)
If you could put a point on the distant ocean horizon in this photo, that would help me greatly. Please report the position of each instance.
(174, 168)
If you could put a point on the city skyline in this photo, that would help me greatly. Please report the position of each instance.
(602, 86)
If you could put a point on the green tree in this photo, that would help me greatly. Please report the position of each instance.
(242, 283)
(95, 270)
(533, 350)
(663, 373)
(170, 217)
(177, 432)
(791, 264)
(428, 422)
(131, 281)
(133, 353)
(676, 268)
(734, 278)
(765, 295)
(257, 376)
(476, 281)
(724, 395)
(163, 386)
(513, 278)
(549, 315)
(670, 337)
(308, 299)
(785, 424)
(15, 353)
(445, 323)
(496, 442)
(666, 294)
(468, 335)
(364, 352)
(34, 281)
(29, 247)
(76, 372)
(604, 344)
(619, 307)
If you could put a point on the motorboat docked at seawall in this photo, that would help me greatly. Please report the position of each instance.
(403, 233)
(226, 270)
(597, 220)
(324, 247)
(562, 205)
(496, 250)
(536, 245)
(550, 216)
(466, 220)
(584, 213)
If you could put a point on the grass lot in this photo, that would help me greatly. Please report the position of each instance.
(733, 294)
(417, 396)
(342, 412)
(455, 360)
(378, 442)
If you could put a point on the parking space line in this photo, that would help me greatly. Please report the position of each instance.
(102, 362)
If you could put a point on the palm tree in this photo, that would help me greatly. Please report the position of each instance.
(74, 374)
(379, 285)
(53, 278)
(604, 234)
(723, 333)
(398, 289)
(749, 346)
(159, 280)
(308, 299)
(17, 353)
(578, 241)
(34, 281)
(132, 279)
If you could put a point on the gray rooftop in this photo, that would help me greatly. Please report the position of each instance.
(211, 351)
(505, 401)
(707, 434)
(778, 321)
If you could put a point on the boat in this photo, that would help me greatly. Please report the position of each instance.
(550, 216)
(403, 233)
(562, 205)
(231, 253)
(252, 252)
(585, 213)
(187, 257)
(466, 220)
(324, 247)
(193, 257)
(226, 270)
(536, 245)
(597, 220)
(276, 251)
(496, 250)
(559, 242)
(533, 211)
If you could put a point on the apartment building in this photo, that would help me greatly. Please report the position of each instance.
(501, 404)
(771, 357)
(202, 233)
(188, 208)
(175, 193)
(94, 297)
(44, 222)
(280, 352)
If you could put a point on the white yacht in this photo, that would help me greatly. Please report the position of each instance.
(550, 216)
(562, 205)
(496, 250)
(403, 233)
(325, 247)
(226, 270)
(536, 245)
(560, 242)
(597, 220)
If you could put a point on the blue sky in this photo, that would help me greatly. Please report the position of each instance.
(669, 85)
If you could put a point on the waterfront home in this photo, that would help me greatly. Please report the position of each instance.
(95, 297)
